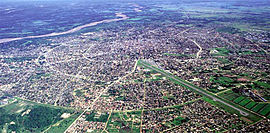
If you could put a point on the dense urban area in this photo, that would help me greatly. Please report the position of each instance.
(187, 75)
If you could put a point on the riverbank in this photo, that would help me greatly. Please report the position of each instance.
(121, 15)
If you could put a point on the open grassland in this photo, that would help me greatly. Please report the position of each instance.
(25, 116)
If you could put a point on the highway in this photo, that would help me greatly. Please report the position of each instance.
(215, 98)
(200, 49)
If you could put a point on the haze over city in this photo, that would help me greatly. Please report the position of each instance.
(134, 66)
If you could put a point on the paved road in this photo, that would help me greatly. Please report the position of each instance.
(198, 90)
(104, 91)
(200, 49)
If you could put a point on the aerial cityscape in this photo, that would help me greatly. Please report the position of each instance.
(134, 66)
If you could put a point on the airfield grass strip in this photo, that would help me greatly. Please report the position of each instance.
(253, 117)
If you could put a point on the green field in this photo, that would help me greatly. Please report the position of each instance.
(239, 99)
(265, 110)
(130, 120)
(231, 96)
(223, 81)
(221, 52)
(62, 125)
(261, 108)
(24, 116)
(257, 107)
(178, 120)
(244, 102)
(250, 105)
(262, 84)
(92, 117)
